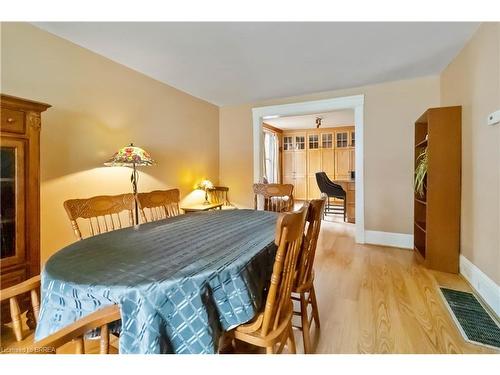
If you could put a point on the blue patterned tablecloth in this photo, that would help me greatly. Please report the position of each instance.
(179, 282)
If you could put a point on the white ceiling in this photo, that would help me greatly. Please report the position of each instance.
(328, 120)
(237, 62)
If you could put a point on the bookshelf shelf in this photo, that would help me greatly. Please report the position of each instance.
(421, 143)
(420, 225)
(418, 200)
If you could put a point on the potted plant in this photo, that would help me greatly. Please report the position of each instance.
(420, 173)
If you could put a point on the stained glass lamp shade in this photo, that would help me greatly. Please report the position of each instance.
(131, 156)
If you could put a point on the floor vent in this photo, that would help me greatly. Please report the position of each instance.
(472, 319)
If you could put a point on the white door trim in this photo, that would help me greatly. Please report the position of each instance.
(355, 102)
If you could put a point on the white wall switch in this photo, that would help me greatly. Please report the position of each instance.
(494, 118)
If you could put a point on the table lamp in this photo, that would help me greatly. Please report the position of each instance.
(205, 185)
(131, 156)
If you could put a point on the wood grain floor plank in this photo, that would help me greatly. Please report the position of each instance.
(375, 299)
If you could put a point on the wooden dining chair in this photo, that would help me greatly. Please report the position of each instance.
(219, 194)
(102, 212)
(159, 204)
(276, 197)
(16, 296)
(76, 331)
(273, 326)
(17, 337)
(303, 289)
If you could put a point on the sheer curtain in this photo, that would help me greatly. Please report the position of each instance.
(271, 157)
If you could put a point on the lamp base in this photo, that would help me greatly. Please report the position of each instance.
(206, 197)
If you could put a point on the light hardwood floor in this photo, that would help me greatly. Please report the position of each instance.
(375, 299)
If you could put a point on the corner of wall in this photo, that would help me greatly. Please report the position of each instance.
(486, 288)
(472, 79)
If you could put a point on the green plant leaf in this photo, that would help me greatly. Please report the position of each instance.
(420, 173)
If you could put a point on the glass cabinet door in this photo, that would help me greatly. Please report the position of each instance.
(300, 142)
(341, 139)
(287, 143)
(313, 141)
(12, 207)
(326, 140)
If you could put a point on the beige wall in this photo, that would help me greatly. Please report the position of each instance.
(473, 80)
(390, 112)
(98, 107)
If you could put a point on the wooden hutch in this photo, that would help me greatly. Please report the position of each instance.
(330, 150)
(20, 190)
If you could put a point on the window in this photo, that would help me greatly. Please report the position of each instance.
(300, 142)
(271, 159)
(326, 140)
(342, 139)
(313, 141)
(287, 143)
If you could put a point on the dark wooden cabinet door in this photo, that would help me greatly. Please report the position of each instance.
(13, 203)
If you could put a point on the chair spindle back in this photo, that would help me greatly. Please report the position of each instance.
(219, 194)
(289, 234)
(308, 252)
(277, 197)
(12, 294)
(102, 213)
(75, 331)
(159, 204)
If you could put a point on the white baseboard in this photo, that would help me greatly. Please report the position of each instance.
(486, 288)
(401, 240)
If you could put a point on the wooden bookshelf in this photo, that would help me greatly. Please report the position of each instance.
(437, 212)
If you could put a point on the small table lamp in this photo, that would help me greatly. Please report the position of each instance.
(205, 185)
(131, 156)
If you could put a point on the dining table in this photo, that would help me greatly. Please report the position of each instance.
(180, 282)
